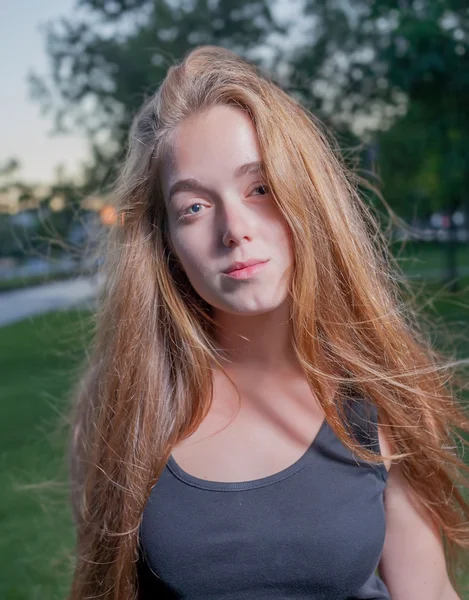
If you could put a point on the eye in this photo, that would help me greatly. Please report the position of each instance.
(262, 187)
(182, 213)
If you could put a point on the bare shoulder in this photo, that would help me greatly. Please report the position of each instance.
(412, 563)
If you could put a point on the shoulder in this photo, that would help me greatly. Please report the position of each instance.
(413, 563)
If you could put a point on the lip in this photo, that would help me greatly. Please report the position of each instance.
(236, 266)
(246, 272)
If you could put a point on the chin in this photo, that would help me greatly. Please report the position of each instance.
(247, 311)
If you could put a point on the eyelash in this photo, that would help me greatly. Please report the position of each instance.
(183, 216)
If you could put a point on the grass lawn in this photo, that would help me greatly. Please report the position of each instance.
(428, 260)
(38, 358)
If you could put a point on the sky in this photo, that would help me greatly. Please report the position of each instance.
(24, 132)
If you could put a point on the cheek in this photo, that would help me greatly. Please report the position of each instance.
(284, 236)
(191, 254)
(285, 244)
(279, 225)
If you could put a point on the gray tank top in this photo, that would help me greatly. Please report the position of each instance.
(314, 531)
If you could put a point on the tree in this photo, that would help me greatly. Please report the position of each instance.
(402, 71)
(114, 52)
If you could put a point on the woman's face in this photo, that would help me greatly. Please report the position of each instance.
(219, 213)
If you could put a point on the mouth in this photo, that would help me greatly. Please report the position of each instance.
(236, 266)
(246, 271)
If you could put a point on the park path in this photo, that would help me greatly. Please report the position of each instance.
(60, 295)
(17, 305)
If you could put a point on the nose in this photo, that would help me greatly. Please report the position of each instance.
(237, 222)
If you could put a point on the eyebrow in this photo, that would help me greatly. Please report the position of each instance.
(191, 184)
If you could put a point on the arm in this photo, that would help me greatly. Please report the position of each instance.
(413, 563)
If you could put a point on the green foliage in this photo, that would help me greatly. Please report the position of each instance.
(403, 68)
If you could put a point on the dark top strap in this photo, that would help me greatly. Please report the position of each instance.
(363, 422)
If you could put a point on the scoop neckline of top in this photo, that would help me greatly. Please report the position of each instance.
(226, 486)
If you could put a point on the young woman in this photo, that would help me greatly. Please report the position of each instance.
(258, 418)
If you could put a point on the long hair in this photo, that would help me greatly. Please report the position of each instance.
(147, 381)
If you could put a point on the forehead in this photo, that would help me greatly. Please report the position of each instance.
(210, 145)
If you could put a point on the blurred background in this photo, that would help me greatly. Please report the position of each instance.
(390, 80)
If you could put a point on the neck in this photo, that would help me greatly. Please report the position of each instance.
(257, 342)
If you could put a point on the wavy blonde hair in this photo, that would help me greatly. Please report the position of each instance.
(147, 384)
